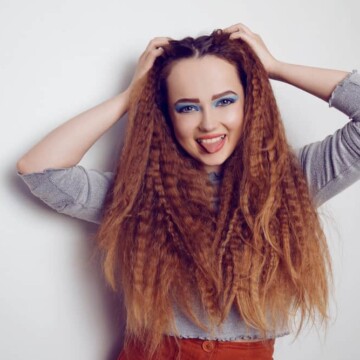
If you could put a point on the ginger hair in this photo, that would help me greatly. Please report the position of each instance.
(263, 250)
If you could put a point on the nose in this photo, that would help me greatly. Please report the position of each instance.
(208, 121)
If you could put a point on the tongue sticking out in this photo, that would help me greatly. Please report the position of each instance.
(212, 147)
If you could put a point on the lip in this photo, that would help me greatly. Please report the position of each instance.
(204, 150)
(209, 136)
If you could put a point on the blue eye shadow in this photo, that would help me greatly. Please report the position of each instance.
(181, 106)
(232, 98)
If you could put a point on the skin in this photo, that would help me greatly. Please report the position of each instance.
(216, 106)
(67, 144)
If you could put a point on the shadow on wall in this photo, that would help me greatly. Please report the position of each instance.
(110, 310)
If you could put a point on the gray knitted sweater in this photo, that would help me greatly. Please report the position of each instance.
(330, 166)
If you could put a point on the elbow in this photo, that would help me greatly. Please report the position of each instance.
(26, 165)
(20, 166)
(23, 167)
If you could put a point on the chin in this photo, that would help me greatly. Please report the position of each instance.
(213, 164)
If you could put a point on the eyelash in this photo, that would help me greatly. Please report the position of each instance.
(231, 101)
(182, 110)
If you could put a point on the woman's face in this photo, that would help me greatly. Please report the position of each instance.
(206, 107)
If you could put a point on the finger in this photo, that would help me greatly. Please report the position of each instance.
(245, 28)
(239, 35)
(147, 62)
(233, 28)
(152, 55)
(154, 44)
(238, 28)
(157, 42)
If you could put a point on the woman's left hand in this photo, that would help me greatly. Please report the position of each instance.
(256, 43)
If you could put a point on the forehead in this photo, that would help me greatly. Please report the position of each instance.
(202, 77)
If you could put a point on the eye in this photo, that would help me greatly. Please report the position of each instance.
(186, 109)
(225, 102)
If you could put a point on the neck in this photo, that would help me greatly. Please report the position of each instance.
(217, 169)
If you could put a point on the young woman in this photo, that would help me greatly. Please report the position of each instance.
(208, 225)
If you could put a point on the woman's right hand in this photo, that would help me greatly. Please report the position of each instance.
(147, 58)
(73, 138)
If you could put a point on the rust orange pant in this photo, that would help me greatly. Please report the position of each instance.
(197, 349)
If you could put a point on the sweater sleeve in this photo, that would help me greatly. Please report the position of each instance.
(333, 164)
(74, 191)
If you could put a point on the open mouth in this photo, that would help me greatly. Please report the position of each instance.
(212, 145)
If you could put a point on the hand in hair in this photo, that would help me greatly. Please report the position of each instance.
(69, 139)
(316, 81)
(256, 43)
(147, 58)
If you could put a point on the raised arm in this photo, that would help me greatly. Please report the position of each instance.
(65, 146)
(49, 169)
(332, 164)
(316, 81)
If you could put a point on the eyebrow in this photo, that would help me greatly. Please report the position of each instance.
(195, 100)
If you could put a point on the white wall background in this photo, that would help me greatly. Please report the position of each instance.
(59, 58)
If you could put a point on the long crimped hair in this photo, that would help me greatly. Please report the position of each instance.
(262, 250)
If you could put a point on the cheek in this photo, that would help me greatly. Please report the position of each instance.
(184, 129)
(234, 119)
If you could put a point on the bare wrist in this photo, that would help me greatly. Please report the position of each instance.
(275, 70)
